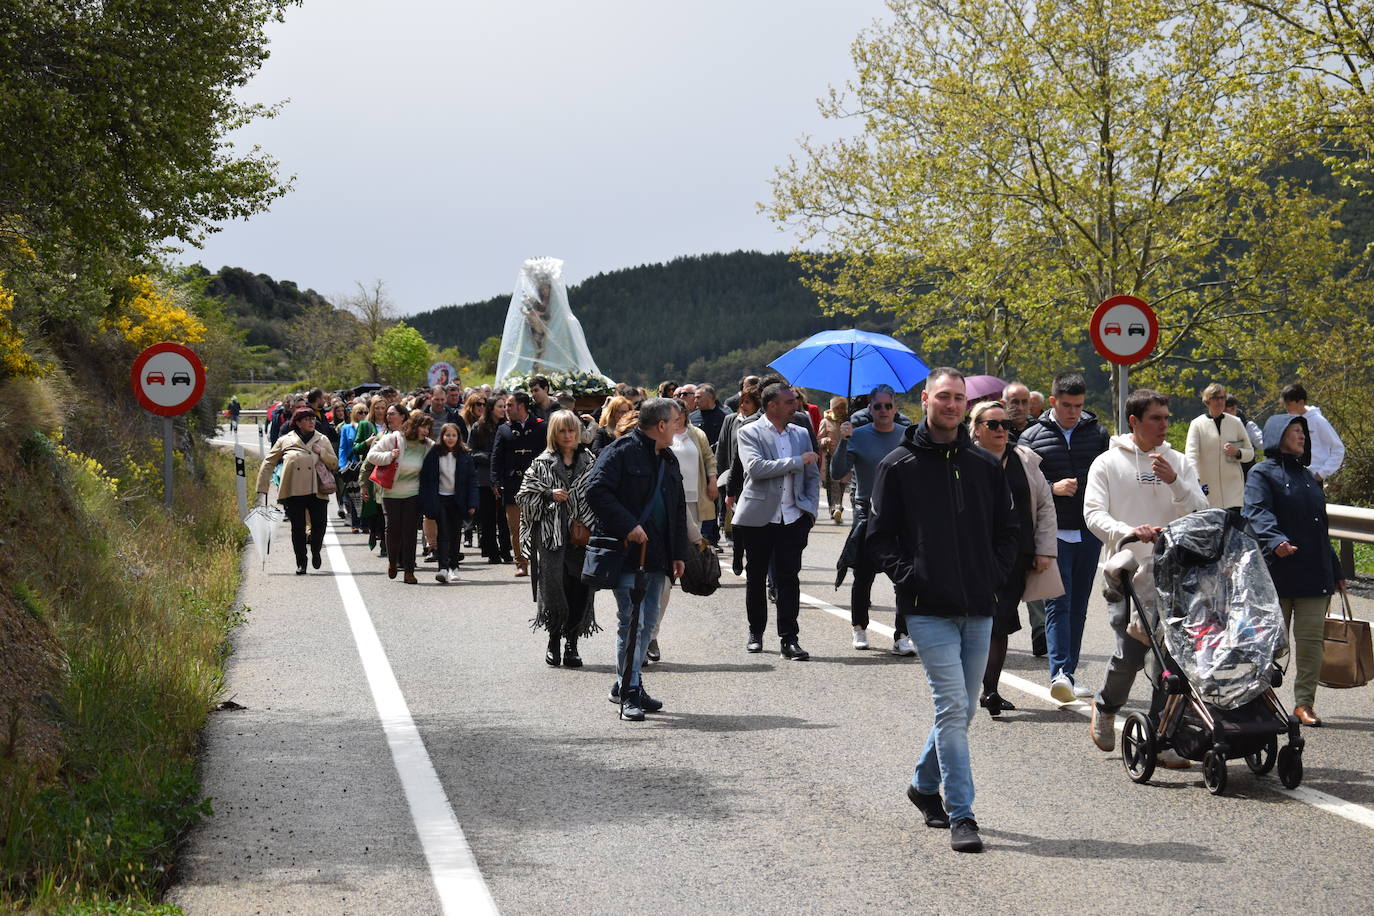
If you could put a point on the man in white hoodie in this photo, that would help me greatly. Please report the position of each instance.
(1137, 486)
(1328, 451)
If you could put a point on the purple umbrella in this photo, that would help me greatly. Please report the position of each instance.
(982, 386)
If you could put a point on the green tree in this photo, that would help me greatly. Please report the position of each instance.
(488, 354)
(402, 356)
(1020, 161)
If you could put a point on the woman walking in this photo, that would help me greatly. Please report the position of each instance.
(829, 437)
(611, 415)
(1218, 446)
(474, 409)
(1034, 504)
(551, 498)
(348, 470)
(698, 465)
(1286, 509)
(369, 431)
(448, 494)
(301, 452)
(493, 534)
(406, 448)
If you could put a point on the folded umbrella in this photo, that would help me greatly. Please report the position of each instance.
(851, 362)
(262, 521)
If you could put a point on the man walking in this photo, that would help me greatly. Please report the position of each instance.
(861, 450)
(1017, 397)
(1328, 451)
(1068, 439)
(709, 416)
(635, 473)
(943, 528)
(774, 515)
(543, 404)
(1136, 487)
(515, 447)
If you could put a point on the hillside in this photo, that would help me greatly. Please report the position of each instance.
(651, 322)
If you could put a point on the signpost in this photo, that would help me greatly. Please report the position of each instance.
(168, 380)
(1124, 331)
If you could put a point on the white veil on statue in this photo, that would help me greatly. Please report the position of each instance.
(541, 333)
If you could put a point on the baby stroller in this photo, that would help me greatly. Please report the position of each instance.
(1216, 640)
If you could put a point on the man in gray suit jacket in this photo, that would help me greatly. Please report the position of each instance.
(774, 515)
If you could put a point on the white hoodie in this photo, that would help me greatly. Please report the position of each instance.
(1124, 493)
(1328, 451)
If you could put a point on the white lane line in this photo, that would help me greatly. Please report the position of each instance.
(458, 880)
(1331, 804)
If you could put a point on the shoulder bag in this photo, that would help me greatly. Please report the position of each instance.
(327, 485)
(1347, 652)
(605, 555)
(384, 475)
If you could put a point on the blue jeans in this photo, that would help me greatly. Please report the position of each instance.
(954, 651)
(648, 618)
(1066, 615)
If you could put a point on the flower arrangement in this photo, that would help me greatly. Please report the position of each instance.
(578, 383)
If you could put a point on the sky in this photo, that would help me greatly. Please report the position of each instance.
(435, 146)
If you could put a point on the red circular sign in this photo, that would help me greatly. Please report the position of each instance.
(168, 379)
(1124, 330)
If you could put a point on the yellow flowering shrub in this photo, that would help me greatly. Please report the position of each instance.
(15, 361)
(146, 315)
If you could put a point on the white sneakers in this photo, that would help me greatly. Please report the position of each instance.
(1103, 729)
(1082, 691)
(860, 638)
(446, 576)
(1061, 688)
(904, 647)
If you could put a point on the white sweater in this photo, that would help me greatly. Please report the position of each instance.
(1124, 493)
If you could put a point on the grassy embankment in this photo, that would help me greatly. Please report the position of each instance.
(113, 623)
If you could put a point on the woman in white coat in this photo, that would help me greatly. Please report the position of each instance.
(1219, 446)
(990, 429)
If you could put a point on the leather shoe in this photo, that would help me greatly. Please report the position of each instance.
(755, 643)
(1307, 717)
(791, 649)
(391, 570)
(932, 807)
(410, 579)
(315, 558)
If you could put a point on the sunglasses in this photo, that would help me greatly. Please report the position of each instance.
(881, 406)
(997, 424)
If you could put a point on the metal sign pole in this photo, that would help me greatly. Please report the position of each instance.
(167, 462)
(241, 480)
(1122, 386)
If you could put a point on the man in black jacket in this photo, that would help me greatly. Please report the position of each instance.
(1068, 438)
(517, 443)
(621, 490)
(943, 528)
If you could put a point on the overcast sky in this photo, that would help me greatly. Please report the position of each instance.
(435, 145)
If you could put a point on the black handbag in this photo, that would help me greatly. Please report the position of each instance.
(701, 572)
(605, 555)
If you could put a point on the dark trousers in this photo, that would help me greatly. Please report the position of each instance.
(451, 517)
(861, 598)
(402, 518)
(780, 547)
(493, 537)
(297, 509)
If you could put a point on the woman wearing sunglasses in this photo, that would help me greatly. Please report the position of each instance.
(1030, 491)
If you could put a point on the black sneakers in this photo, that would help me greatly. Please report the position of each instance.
(632, 709)
(646, 702)
(755, 643)
(963, 836)
(932, 806)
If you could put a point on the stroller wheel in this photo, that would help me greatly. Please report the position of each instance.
(1214, 772)
(1138, 747)
(1290, 767)
(1262, 760)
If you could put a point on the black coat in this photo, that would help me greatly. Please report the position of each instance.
(1061, 458)
(516, 445)
(942, 525)
(1284, 502)
(622, 484)
(710, 422)
(464, 483)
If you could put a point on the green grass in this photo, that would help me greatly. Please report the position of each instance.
(1364, 557)
(144, 644)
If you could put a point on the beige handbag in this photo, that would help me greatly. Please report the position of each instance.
(1040, 586)
(1347, 652)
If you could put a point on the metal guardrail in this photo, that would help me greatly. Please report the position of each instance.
(1349, 524)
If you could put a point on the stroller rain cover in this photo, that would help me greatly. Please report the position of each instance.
(1218, 607)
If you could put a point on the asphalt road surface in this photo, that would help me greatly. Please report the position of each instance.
(440, 766)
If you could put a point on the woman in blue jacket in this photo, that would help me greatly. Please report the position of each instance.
(1286, 509)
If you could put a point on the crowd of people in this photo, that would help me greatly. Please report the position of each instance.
(970, 510)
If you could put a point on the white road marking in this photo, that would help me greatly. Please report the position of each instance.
(1331, 804)
(458, 880)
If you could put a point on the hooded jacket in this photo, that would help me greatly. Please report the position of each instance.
(1284, 502)
(942, 525)
(1061, 458)
(1123, 493)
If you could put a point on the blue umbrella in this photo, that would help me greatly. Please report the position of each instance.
(851, 362)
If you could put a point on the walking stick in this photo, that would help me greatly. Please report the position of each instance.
(636, 602)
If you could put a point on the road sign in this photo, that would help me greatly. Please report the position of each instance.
(1124, 330)
(168, 379)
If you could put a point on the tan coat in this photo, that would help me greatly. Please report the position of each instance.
(706, 506)
(1047, 584)
(1223, 476)
(829, 439)
(298, 460)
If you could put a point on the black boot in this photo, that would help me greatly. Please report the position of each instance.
(551, 656)
(570, 657)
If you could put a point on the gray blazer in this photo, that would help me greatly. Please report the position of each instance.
(765, 472)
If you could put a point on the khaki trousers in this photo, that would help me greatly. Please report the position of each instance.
(1306, 619)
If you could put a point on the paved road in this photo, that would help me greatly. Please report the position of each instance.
(764, 786)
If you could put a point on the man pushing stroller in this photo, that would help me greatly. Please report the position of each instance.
(1136, 487)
